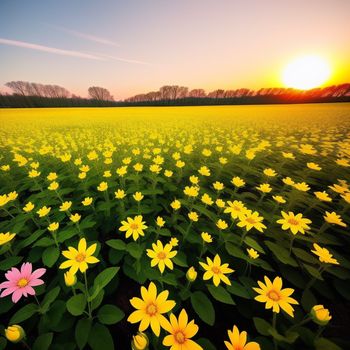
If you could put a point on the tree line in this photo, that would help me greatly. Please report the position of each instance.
(28, 94)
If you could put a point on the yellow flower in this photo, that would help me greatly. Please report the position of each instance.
(82, 175)
(339, 188)
(28, 207)
(194, 179)
(138, 196)
(78, 161)
(150, 309)
(346, 197)
(180, 164)
(288, 181)
(193, 216)
(275, 297)
(302, 186)
(191, 191)
(102, 186)
(324, 255)
(343, 162)
(66, 157)
(168, 173)
(206, 152)
(207, 238)
(70, 279)
(219, 186)
(270, 172)
(52, 176)
(253, 254)
(87, 201)
(205, 171)
(320, 315)
(5, 167)
(323, 196)
(107, 173)
(220, 203)
(92, 155)
(53, 186)
(221, 224)
(43, 211)
(307, 149)
(223, 160)
(236, 209)
(191, 274)
(12, 196)
(14, 333)
(288, 155)
(139, 341)
(237, 181)
(34, 173)
(65, 206)
(155, 168)
(160, 221)
(334, 218)
(265, 188)
(251, 219)
(181, 331)
(75, 217)
(6, 237)
(250, 154)
(206, 199)
(174, 241)
(119, 194)
(295, 223)
(279, 199)
(314, 166)
(138, 167)
(84, 168)
(79, 259)
(238, 341)
(161, 256)
(216, 271)
(176, 204)
(122, 170)
(133, 227)
(53, 226)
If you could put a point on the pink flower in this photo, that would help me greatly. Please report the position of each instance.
(21, 282)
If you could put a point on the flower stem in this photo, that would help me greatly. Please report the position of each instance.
(37, 301)
(274, 317)
(87, 295)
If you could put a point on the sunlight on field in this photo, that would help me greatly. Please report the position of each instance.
(216, 205)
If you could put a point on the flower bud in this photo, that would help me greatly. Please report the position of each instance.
(14, 333)
(320, 315)
(191, 274)
(139, 341)
(69, 279)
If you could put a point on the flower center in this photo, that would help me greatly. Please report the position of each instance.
(273, 295)
(180, 337)
(151, 309)
(22, 282)
(216, 269)
(161, 255)
(293, 221)
(80, 257)
(134, 226)
(251, 221)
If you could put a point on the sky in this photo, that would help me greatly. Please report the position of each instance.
(136, 46)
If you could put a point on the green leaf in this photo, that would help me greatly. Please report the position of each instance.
(3, 343)
(281, 253)
(313, 272)
(206, 344)
(221, 294)
(82, 330)
(180, 259)
(254, 244)
(50, 256)
(67, 234)
(24, 313)
(102, 279)
(261, 326)
(303, 255)
(30, 239)
(235, 251)
(116, 244)
(237, 289)
(134, 250)
(203, 307)
(110, 314)
(325, 344)
(308, 300)
(50, 297)
(44, 242)
(43, 342)
(10, 262)
(100, 338)
(76, 304)
(96, 302)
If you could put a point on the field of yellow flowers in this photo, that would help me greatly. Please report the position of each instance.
(180, 228)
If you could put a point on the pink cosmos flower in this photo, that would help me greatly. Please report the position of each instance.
(21, 283)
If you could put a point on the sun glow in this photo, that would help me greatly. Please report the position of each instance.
(306, 72)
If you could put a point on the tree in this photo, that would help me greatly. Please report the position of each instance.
(100, 94)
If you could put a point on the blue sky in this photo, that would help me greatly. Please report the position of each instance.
(137, 46)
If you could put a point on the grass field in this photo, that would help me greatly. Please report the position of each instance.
(231, 216)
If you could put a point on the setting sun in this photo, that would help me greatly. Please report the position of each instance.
(306, 72)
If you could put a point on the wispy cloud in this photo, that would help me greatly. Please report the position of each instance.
(86, 36)
(126, 60)
(49, 49)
